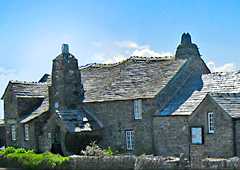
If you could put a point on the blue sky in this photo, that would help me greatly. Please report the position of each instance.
(110, 30)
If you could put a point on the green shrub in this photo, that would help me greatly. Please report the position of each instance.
(30, 160)
(108, 151)
(8, 150)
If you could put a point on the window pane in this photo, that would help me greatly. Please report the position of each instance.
(211, 122)
(196, 135)
(13, 132)
(137, 109)
(129, 139)
(26, 131)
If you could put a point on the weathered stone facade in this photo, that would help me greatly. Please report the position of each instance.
(157, 100)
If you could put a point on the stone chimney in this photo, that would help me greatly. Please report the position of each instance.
(187, 49)
(65, 49)
(67, 89)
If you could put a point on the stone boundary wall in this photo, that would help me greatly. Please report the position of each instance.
(126, 163)
(136, 163)
(223, 164)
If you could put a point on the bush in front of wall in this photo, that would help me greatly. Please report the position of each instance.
(30, 160)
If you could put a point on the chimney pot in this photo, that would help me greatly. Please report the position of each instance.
(65, 49)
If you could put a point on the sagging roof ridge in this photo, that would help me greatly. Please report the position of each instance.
(27, 82)
(131, 58)
(230, 94)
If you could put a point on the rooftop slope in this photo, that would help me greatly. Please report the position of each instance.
(212, 83)
(230, 102)
(137, 77)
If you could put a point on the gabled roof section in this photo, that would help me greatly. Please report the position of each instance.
(136, 77)
(78, 121)
(230, 102)
(23, 88)
(190, 105)
(2, 123)
(43, 108)
(212, 83)
(46, 78)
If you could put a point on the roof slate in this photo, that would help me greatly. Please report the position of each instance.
(230, 102)
(30, 89)
(43, 108)
(137, 77)
(77, 121)
(212, 83)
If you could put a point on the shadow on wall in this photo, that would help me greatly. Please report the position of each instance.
(195, 83)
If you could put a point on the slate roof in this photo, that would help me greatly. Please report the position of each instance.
(212, 83)
(77, 121)
(230, 102)
(23, 89)
(43, 108)
(28, 89)
(136, 77)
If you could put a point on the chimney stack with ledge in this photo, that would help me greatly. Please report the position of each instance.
(187, 49)
(65, 49)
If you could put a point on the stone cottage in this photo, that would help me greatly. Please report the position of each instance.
(152, 105)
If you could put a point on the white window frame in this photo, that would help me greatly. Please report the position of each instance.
(137, 109)
(129, 134)
(211, 123)
(26, 132)
(13, 133)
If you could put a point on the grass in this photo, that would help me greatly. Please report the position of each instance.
(30, 160)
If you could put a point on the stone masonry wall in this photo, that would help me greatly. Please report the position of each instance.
(117, 117)
(219, 144)
(171, 135)
(237, 137)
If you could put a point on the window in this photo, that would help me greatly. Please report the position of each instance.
(13, 132)
(137, 109)
(26, 132)
(197, 135)
(129, 139)
(49, 135)
(211, 122)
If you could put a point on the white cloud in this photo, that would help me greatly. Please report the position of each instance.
(120, 50)
(147, 52)
(229, 67)
(115, 59)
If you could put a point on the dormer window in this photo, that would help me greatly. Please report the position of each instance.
(137, 109)
(211, 125)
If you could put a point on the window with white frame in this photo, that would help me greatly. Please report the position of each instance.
(13, 132)
(129, 139)
(137, 109)
(26, 132)
(211, 125)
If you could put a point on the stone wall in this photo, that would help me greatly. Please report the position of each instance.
(237, 137)
(219, 144)
(171, 135)
(227, 164)
(2, 136)
(118, 117)
(126, 163)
